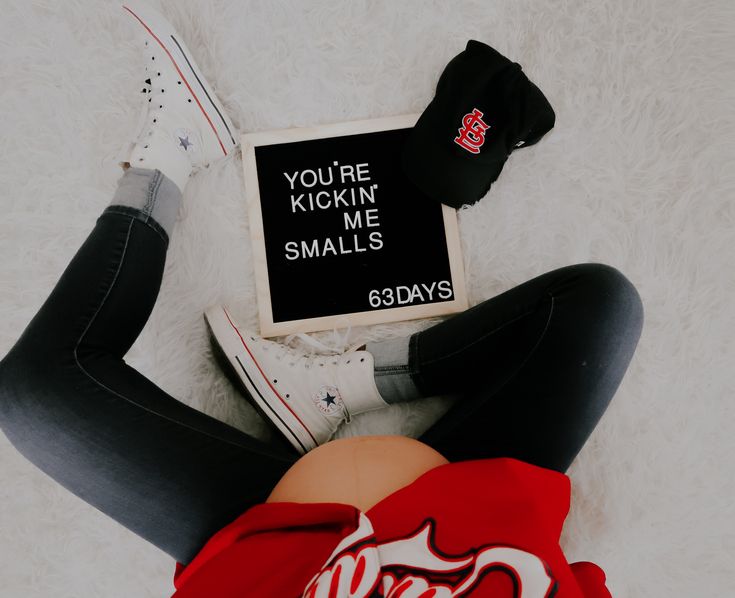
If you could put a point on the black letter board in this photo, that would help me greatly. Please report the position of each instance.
(340, 237)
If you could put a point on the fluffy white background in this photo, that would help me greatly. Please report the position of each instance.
(638, 173)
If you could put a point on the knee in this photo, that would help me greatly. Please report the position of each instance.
(20, 382)
(31, 414)
(608, 292)
(10, 375)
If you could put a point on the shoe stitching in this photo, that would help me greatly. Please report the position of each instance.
(105, 387)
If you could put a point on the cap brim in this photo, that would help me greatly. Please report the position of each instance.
(442, 175)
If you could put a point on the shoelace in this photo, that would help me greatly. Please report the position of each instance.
(316, 343)
(283, 349)
(339, 344)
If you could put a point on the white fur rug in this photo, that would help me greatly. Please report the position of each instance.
(638, 173)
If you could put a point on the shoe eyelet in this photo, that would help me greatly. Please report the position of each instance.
(149, 99)
(154, 120)
(275, 381)
(362, 359)
(179, 82)
(348, 361)
(144, 147)
(160, 105)
(140, 159)
(287, 395)
(162, 90)
(153, 57)
(189, 101)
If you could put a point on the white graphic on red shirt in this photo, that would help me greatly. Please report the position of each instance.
(412, 567)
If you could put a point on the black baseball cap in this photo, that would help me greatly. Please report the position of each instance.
(484, 108)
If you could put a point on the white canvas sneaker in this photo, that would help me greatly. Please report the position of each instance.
(183, 125)
(306, 397)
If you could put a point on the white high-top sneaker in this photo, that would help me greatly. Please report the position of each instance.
(306, 397)
(183, 125)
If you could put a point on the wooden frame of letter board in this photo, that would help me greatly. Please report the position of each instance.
(270, 328)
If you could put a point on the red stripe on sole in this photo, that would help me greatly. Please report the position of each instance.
(176, 66)
(244, 344)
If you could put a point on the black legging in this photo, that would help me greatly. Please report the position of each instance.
(534, 368)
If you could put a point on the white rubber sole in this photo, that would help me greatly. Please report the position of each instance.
(163, 34)
(255, 384)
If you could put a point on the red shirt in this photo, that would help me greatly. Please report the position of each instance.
(475, 528)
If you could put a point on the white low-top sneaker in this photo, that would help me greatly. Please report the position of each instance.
(306, 397)
(183, 125)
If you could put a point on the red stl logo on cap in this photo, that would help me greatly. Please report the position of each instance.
(472, 132)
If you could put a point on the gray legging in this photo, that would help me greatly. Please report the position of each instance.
(534, 368)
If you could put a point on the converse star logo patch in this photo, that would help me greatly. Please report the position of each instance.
(185, 140)
(328, 400)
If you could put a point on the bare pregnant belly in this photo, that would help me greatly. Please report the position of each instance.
(359, 471)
